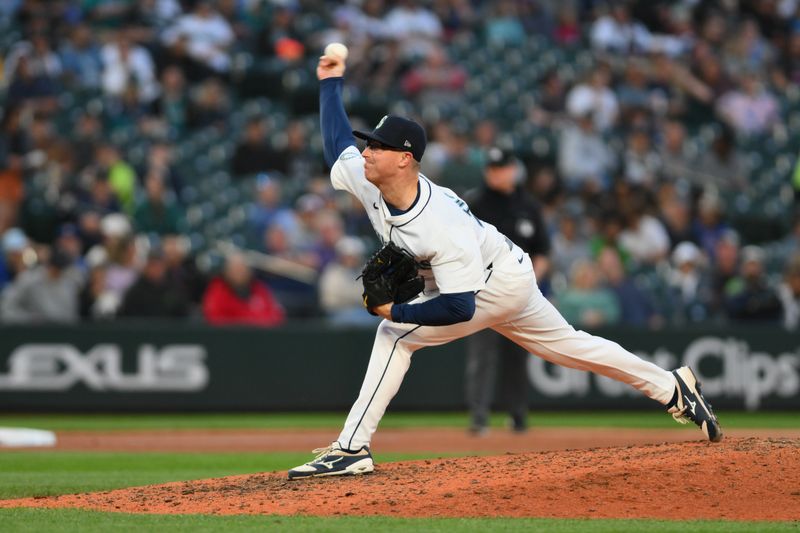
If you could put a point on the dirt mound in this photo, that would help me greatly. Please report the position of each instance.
(410, 440)
(738, 479)
(429, 440)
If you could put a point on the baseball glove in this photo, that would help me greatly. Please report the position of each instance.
(390, 276)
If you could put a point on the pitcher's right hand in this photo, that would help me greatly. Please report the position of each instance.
(330, 67)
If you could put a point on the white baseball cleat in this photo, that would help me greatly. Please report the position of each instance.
(690, 405)
(335, 461)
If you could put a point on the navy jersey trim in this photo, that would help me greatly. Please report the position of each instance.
(398, 212)
(430, 194)
(388, 362)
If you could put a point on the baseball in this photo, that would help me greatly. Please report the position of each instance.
(336, 50)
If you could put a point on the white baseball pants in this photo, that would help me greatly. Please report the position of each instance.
(511, 304)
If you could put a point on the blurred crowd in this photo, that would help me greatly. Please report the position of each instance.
(651, 124)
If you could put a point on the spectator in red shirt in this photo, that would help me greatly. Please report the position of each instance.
(568, 31)
(237, 298)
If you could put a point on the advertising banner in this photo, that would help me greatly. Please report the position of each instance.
(311, 366)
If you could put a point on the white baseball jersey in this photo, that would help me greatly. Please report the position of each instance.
(458, 257)
(467, 254)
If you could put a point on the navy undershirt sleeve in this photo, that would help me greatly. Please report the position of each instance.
(443, 310)
(337, 134)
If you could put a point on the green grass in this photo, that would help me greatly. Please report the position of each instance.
(36, 520)
(109, 422)
(29, 473)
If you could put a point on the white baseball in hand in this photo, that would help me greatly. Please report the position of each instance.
(336, 50)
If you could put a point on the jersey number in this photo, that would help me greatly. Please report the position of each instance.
(465, 208)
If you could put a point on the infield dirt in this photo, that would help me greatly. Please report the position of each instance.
(752, 478)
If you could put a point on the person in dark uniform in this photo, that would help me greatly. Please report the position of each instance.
(504, 203)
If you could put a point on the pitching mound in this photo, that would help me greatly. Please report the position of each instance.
(451, 441)
(739, 479)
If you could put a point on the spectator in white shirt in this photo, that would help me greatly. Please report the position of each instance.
(374, 57)
(595, 96)
(751, 109)
(617, 33)
(416, 27)
(125, 63)
(41, 60)
(644, 236)
(359, 23)
(584, 159)
(203, 37)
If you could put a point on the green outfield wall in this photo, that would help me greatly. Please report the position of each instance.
(311, 366)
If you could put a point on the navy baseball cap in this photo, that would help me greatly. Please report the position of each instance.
(398, 133)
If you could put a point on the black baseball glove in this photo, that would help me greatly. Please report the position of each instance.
(390, 276)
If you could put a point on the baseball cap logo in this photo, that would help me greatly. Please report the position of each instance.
(398, 133)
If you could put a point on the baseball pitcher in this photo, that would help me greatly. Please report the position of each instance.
(445, 274)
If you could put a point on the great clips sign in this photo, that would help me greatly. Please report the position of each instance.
(728, 367)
